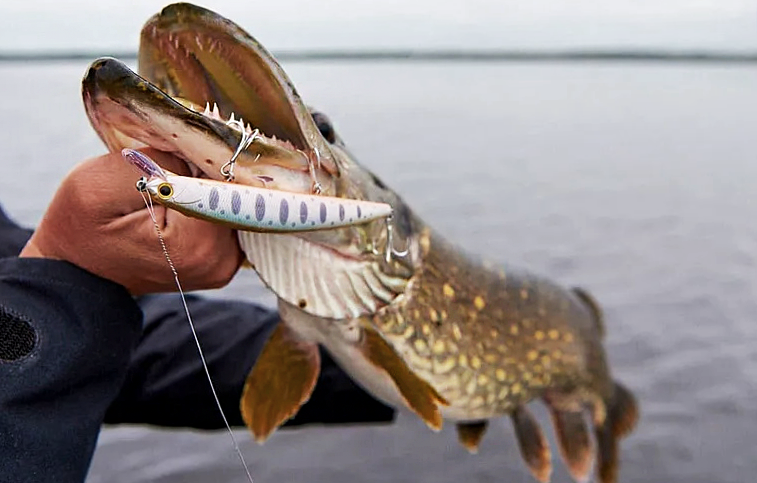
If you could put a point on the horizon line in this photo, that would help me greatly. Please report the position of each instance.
(436, 54)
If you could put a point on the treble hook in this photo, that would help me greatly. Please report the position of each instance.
(390, 251)
(227, 170)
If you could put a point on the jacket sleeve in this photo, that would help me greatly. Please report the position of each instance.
(66, 338)
(167, 386)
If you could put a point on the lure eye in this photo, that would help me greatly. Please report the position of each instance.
(165, 190)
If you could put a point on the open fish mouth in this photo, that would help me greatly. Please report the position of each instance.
(196, 69)
(206, 87)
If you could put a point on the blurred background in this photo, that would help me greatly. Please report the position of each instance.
(721, 25)
(605, 144)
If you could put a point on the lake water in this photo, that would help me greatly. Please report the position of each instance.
(636, 181)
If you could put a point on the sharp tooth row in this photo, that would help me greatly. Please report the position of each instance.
(212, 113)
(215, 113)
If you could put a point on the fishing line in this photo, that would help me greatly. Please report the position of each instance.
(150, 209)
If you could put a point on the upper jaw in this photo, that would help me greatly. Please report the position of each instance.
(163, 107)
(201, 56)
(127, 111)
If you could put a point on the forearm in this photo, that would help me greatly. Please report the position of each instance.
(66, 337)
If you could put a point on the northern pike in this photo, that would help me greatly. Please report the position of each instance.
(416, 321)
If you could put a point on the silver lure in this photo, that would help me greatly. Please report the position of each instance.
(251, 208)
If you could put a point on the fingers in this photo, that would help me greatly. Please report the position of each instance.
(205, 255)
(98, 221)
(209, 253)
(109, 181)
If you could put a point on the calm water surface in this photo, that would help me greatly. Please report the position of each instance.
(636, 181)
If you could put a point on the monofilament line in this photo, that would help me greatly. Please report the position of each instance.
(148, 204)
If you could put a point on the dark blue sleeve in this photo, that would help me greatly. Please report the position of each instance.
(66, 338)
(12, 237)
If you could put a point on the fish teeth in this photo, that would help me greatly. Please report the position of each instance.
(207, 109)
(216, 113)
(231, 118)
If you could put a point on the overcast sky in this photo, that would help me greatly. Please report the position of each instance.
(422, 24)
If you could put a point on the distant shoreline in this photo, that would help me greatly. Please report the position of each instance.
(435, 55)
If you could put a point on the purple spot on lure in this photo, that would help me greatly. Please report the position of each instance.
(214, 198)
(303, 212)
(149, 167)
(259, 208)
(236, 202)
(283, 212)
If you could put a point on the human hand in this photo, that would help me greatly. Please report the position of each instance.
(98, 221)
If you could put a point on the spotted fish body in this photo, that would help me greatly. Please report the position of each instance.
(492, 339)
(251, 208)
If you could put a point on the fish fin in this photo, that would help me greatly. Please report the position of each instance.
(418, 394)
(622, 415)
(623, 411)
(470, 434)
(575, 444)
(281, 380)
(593, 306)
(534, 447)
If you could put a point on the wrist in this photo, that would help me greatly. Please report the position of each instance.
(31, 250)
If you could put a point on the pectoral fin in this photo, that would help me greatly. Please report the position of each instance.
(417, 393)
(470, 434)
(280, 382)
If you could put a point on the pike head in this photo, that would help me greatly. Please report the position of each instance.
(202, 82)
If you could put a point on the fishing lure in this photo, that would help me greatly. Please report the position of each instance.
(251, 208)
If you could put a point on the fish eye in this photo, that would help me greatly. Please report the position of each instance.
(165, 190)
(324, 126)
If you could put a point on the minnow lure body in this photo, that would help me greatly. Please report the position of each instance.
(251, 208)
